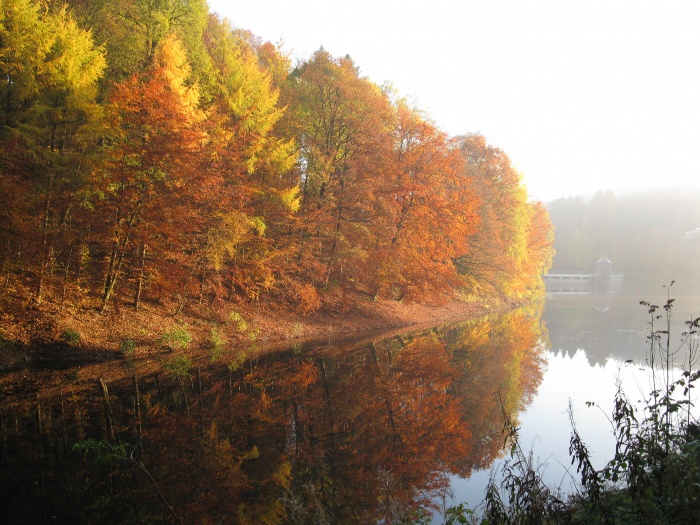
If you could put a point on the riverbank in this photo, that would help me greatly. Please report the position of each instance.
(44, 337)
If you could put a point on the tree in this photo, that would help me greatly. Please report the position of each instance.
(643, 234)
(426, 211)
(24, 41)
(50, 73)
(342, 128)
(132, 31)
(499, 259)
(144, 182)
(245, 169)
(540, 241)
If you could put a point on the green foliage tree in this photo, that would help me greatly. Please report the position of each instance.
(50, 72)
(342, 124)
(132, 31)
(247, 190)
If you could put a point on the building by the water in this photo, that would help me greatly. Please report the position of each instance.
(602, 281)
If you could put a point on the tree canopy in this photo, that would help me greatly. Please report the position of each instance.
(149, 150)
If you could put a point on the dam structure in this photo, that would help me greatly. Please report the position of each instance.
(601, 281)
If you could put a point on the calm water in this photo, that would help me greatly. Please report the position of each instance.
(594, 343)
(343, 432)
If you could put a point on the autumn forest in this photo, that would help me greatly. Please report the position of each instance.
(203, 245)
(151, 150)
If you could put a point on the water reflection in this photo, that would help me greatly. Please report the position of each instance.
(611, 326)
(341, 433)
(597, 343)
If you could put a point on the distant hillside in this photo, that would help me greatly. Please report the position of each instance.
(649, 236)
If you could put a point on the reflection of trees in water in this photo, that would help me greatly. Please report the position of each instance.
(601, 326)
(501, 367)
(608, 326)
(334, 435)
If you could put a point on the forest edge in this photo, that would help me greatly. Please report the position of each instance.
(34, 338)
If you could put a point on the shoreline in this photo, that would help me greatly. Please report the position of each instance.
(39, 356)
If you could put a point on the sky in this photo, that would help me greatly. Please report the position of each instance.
(582, 95)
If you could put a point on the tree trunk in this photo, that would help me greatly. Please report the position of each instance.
(4, 435)
(65, 282)
(63, 421)
(116, 261)
(109, 420)
(141, 261)
(137, 408)
(45, 242)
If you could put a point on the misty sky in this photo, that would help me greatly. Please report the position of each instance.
(581, 94)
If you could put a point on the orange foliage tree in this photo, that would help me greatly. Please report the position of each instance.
(143, 185)
(512, 246)
(191, 160)
(341, 125)
(425, 213)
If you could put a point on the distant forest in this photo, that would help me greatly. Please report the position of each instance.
(152, 151)
(651, 237)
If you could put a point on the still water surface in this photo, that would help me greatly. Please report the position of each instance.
(594, 344)
(340, 432)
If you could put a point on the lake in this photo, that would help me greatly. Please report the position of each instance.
(351, 431)
(594, 344)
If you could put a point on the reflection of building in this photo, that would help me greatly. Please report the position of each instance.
(602, 281)
(693, 234)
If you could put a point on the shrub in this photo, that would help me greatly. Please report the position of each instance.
(654, 476)
(127, 347)
(70, 336)
(307, 299)
(218, 342)
(178, 338)
(238, 359)
(237, 319)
